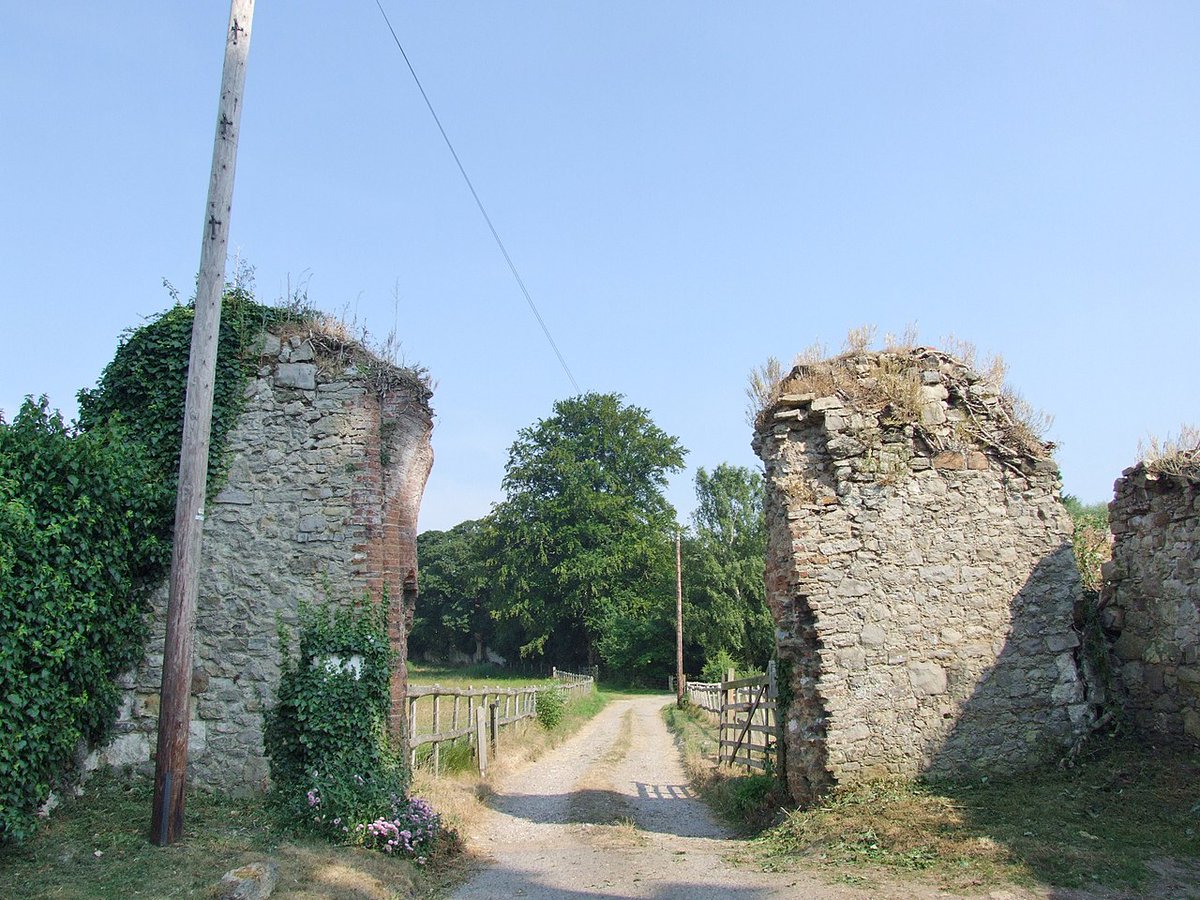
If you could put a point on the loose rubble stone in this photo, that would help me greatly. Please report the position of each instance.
(255, 881)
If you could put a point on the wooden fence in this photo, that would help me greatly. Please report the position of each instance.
(747, 710)
(476, 714)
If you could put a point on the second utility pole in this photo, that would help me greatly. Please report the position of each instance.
(680, 687)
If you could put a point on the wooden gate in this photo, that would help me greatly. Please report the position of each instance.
(750, 731)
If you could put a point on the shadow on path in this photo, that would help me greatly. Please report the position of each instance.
(657, 808)
(532, 886)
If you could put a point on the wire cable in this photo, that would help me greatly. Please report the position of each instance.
(470, 186)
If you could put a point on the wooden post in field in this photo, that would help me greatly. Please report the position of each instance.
(412, 733)
(680, 687)
(437, 756)
(481, 741)
(170, 773)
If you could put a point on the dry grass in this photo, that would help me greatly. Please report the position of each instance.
(341, 344)
(1113, 821)
(97, 846)
(1177, 454)
(906, 340)
(460, 797)
(748, 803)
(889, 381)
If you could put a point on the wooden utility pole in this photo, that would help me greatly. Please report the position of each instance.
(680, 687)
(170, 775)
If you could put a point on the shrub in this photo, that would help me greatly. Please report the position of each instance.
(717, 666)
(551, 707)
(1090, 539)
(78, 554)
(334, 769)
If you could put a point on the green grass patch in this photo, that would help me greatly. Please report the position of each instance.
(1103, 822)
(97, 846)
(477, 676)
(584, 708)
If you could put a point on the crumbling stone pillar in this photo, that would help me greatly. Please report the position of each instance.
(919, 571)
(327, 467)
(1151, 598)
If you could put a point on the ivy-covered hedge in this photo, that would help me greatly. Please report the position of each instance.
(80, 547)
(86, 515)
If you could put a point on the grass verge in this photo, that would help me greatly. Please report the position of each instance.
(747, 803)
(97, 846)
(1126, 818)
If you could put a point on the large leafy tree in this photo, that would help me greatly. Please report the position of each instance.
(454, 607)
(724, 572)
(582, 541)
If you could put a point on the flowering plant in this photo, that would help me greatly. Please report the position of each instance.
(410, 830)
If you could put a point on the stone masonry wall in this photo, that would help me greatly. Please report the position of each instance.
(920, 573)
(1151, 600)
(327, 466)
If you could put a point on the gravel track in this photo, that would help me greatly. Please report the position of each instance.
(610, 814)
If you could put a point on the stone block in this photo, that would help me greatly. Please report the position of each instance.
(950, 459)
(255, 881)
(927, 679)
(796, 399)
(127, 749)
(873, 636)
(296, 375)
(303, 352)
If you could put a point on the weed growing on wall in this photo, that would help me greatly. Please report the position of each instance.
(890, 381)
(1177, 454)
(78, 553)
(334, 770)
(1090, 540)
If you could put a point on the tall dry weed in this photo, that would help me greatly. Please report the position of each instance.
(1177, 454)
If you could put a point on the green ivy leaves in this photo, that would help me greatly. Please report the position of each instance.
(76, 565)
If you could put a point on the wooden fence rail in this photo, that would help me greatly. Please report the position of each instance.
(476, 714)
(747, 712)
(705, 694)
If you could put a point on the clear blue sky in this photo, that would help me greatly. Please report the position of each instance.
(686, 187)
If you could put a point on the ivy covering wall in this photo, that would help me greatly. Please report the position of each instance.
(86, 513)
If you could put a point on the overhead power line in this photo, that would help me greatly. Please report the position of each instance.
(471, 187)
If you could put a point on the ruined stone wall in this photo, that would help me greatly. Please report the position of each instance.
(1151, 599)
(327, 466)
(920, 573)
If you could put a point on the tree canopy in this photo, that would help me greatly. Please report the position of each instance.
(454, 610)
(583, 537)
(726, 598)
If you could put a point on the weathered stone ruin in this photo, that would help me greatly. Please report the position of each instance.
(327, 466)
(920, 573)
(1151, 598)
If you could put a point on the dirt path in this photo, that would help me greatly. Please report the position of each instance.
(610, 814)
